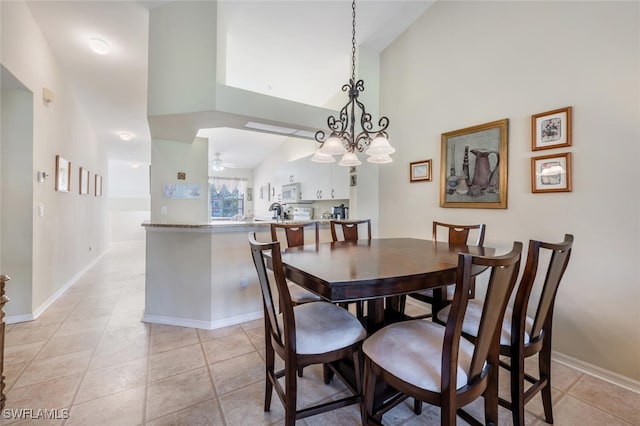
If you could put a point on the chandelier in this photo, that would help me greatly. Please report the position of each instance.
(343, 139)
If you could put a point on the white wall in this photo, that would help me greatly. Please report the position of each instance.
(72, 232)
(129, 200)
(468, 63)
(16, 190)
(168, 158)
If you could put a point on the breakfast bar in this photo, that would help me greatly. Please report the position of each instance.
(202, 275)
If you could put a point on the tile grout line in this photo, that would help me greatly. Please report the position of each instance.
(145, 402)
(211, 380)
(84, 374)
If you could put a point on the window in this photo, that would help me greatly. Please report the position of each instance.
(226, 197)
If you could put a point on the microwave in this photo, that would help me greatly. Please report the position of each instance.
(291, 193)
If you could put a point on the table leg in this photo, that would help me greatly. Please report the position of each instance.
(375, 314)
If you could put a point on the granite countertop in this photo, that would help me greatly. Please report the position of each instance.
(226, 224)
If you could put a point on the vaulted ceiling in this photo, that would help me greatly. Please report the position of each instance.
(297, 50)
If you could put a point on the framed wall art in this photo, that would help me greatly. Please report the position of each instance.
(420, 171)
(63, 174)
(98, 186)
(551, 129)
(84, 181)
(473, 167)
(551, 173)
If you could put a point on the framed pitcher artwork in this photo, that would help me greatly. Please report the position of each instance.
(473, 168)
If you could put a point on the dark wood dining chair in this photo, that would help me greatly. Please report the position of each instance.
(294, 236)
(523, 336)
(311, 333)
(349, 231)
(456, 235)
(431, 362)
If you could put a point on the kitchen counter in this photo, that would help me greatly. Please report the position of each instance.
(202, 275)
(229, 223)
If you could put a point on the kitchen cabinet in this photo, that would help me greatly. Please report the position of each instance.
(322, 181)
(339, 182)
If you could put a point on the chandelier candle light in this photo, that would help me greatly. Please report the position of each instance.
(343, 139)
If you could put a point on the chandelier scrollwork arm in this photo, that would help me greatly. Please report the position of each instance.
(343, 136)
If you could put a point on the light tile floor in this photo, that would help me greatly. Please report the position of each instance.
(90, 354)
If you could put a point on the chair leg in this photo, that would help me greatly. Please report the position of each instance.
(369, 390)
(300, 371)
(360, 309)
(290, 394)
(327, 374)
(517, 389)
(269, 367)
(491, 396)
(448, 412)
(417, 407)
(544, 360)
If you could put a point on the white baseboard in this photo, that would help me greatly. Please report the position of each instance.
(40, 309)
(584, 367)
(203, 325)
(597, 372)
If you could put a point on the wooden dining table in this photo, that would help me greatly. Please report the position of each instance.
(375, 270)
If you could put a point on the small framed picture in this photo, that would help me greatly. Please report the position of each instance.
(551, 173)
(98, 186)
(551, 129)
(84, 181)
(420, 171)
(63, 174)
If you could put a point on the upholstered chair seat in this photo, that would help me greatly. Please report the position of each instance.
(472, 322)
(412, 352)
(301, 295)
(429, 293)
(324, 327)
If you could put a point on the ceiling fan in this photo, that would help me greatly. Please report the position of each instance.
(217, 165)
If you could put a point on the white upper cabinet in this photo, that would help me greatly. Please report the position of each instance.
(321, 181)
(339, 182)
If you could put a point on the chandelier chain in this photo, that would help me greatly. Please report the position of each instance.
(344, 138)
(353, 42)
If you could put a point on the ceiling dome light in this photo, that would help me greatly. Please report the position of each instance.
(99, 46)
(134, 165)
(126, 136)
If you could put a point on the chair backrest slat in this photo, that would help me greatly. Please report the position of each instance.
(459, 234)
(294, 233)
(556, 267)
(349, 229)
(503, 275)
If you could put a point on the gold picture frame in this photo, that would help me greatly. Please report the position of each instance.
(420, 171)
(63, 174)
(551, 129)
(474, 165)
(551, 173)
